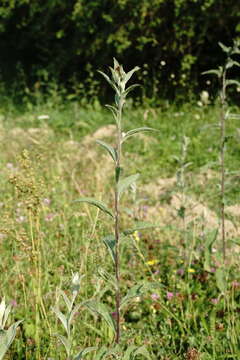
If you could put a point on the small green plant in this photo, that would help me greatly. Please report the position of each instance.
(67, 319)
(6, 336)
(182, 186)
(222, 73)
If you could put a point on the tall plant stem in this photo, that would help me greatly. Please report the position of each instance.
(222, 160)
(117, 219)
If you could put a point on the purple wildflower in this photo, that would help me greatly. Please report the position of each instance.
(170, 295)
(155, 296)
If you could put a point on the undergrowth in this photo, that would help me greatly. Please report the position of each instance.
(49, 159)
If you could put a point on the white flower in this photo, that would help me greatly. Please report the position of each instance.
(163, 63)
(204, 97)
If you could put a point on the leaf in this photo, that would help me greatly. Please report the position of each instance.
(114, 111)
(236, 241)
(112, 152)
(102, 310)
(66, 300)
(135, 291)
(101, 353)
(232, 63)
(142, 351)
(213, 72)
(83, 352)
(99, 204)
(221, 280)
(130, 74)
(109, 81)
(7, 337)
(110, 243)
(208, 249)
(225, 48)
(141, 225)
(129, 89)
(128, 352)
(232, 82)
(123, 184)
(136, 131)
(62, 318)
(118, 172)
(73, 313)
(108, 277)
(65, 343)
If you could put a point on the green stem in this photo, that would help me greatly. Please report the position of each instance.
(222, 157)
(117, 218)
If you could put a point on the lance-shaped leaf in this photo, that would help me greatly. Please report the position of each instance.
(109, 81)
(66, 343)
(66, 300)
(114, 111)
(141, 225)
(129, 89)
(4, 312)
(124, 183)
(99, 204)
(62, 318)
(232, 82)
(108, 278)
(232, 63)
(142, 351)
(136, 131)
(83, 352)
(221, 280)
(129, 352)
(7, 337)
(110, 243)
(225, 48)
(102, 310)
(115, 76)
(74, 312)
(135, 291)
(208, 249)
(217, 72)
(130, 74)
(112, 152)
(101, 353)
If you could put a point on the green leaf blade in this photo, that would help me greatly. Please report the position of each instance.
(123, 184)
(137, 131)
(110, 244)
(102, 310)
(111, 151)
(99, 204)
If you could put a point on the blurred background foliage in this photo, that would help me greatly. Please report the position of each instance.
(64, 42)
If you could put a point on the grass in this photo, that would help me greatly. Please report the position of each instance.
(192, 309)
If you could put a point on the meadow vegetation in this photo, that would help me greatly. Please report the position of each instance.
(181, 291)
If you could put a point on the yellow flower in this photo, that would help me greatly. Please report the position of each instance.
(152, 262)
(136, 236)
(190, 270)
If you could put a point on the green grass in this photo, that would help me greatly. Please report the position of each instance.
(181, 315)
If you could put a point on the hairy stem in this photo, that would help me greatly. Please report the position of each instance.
(222, 160)
(116, 225)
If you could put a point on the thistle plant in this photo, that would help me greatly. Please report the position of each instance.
(6, 336)
(118, 81)
(222, 73)
(67, 319)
